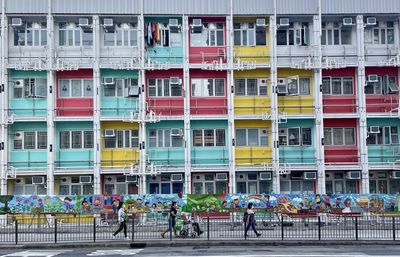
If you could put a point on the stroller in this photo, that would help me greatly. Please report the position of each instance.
(189, 228)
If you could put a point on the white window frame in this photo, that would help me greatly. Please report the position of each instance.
(385, 132)
(260, 136)
(132, 30)
(342, 87)
(126, 83)
(163, 83)
(245, 28)
(84, 144)
(72, 32)
(246, 91)
(328, 33)
(301, 34)
(29, 89)
(382, 87)
(164, 133)
(379, 34)
(37, 146)
(286, 141)
(127, 137)
(204, 87)
(208, 34)
(214, 137)
(35, 33)
(328, 132)
(82, 88)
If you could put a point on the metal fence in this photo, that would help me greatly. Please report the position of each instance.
(271, 226)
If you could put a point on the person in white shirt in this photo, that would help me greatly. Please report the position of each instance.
(251, 221)
(122, 216)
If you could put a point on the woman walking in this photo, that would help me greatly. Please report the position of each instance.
(172, 220)
(251, 221)
(122, 217)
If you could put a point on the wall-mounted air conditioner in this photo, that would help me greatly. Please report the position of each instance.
(373, 78)
(109, 179)
(84, 22)
(173, 23)
(374, 130)
(221, 177)
(20, 181)
(108, 25)
(65, 180)
(19, 83)
(16, 23)
(197, 26)
(85, 179)
(132, 91)
(265, 176)
(281, 88)
(109, 133)
(353, 175)
(175, 80)
(260, 23)
(18, 135)
(108, 81)
(371, 21)
(176, 177)
(347, 21)
(38, 180)
(310, 175)
(395, 174)
(131, 179)
(284, 22)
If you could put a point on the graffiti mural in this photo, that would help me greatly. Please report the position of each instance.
(160, 203)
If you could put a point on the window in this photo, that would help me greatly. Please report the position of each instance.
(30, 140)
(296, 85)
(76, 139)
(32, 34)
(209, 137)
(165, 138)
(122, 139)
(245, 34)
(337, 86)
(339, 136)
(297, 34)
(72, 35)
(387, 136)
(208, 87)
(385, 85)
(165, 37)
(212, 34)
(295, 136)
(163, 88)
(251, 87)
(120, 88)
(252, 137)
(334, 33)
(30, 87)
(75, 88)
(382, 33)
(125, 34)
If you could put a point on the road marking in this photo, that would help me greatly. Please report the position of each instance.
(128, 252)
(45, 253)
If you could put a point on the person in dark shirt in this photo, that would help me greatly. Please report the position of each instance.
(172, 220)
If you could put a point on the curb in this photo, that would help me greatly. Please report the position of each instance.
(194, 243)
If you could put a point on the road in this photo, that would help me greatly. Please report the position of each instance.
(216, 251)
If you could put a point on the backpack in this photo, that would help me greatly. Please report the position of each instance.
(245, 215)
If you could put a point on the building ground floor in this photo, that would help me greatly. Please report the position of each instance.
(209, 182)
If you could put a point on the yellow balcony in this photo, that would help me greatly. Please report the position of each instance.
(120, 157)
(252, 105)
(253, 156)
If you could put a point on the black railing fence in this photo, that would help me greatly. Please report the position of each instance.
(271, 226)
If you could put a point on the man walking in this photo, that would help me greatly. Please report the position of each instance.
(172, 220)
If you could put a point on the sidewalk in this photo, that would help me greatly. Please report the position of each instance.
(182, 243)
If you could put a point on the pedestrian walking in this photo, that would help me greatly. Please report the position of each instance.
(122, 218)
(172, 220)
(250, 220)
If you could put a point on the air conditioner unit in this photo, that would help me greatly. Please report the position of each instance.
(18, 135)
(353, 175)
(176, 132)
(85, 179)
(108, 81)
(265, 176)
(109, 179)
(371, 21)
(197, 26)
(108, 25)
(281, 88)
(373, 78)
(221, 177)
(16, 22)
(374, 130)
(20, 181)
(347, 21)
(264, 132)
(173, 23)
(131, 179)
(38, 180)
(296, 175)
(282, 132)
(310, 175)
(175, 80)
(260, 23)
(176, 177)
(198, 177)
(84, 22)
(109, 133)
(284, 22)
(65, 180)
(19, 83)
(395, 174)
(263, 82)
(133, 91)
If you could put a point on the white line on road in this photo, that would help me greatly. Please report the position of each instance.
(44, 253)
(115, 252)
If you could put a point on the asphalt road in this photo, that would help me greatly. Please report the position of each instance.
(215, 251)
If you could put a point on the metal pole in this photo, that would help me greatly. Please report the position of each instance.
(16, 231)
(282, 227)
(94, 229)
(394, 228)
(55, 230)
(319, 228)
(133, 227)
(356, 224)
(170, 228)
(208, 227)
